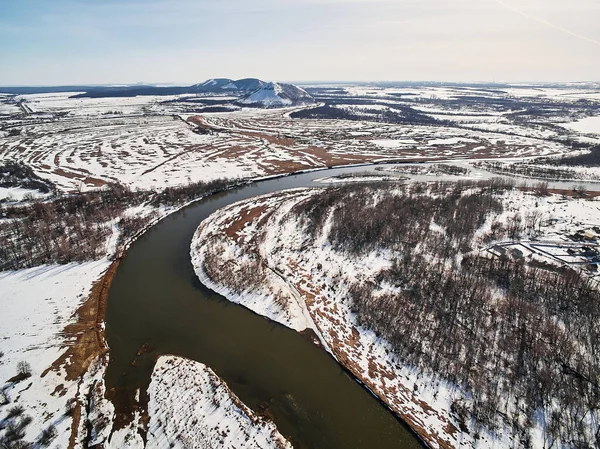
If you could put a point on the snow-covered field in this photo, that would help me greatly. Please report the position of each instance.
(260, 239)
(81, 144)
(589, 125)
(145, 142)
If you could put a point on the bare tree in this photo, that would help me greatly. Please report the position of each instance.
(24, 368)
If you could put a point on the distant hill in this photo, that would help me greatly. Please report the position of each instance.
(133, 91)
(213, 86)
(220, 85)
(251, 92)
(28, 90)
(275, 95)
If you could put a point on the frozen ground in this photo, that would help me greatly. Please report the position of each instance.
(589, 125)
(156, 142)
(191, 407)
(18, 193)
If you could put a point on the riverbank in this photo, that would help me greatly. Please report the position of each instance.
(60, 313)
(191, 407)
(37, 304)
(229, 256)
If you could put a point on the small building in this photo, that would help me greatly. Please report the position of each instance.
(517, 253)
(500, 250)
(590, 235)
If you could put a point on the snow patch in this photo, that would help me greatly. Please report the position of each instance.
(191, 407)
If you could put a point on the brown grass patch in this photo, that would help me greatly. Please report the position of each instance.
(86, 336)
(76, 416)
(274, 140)
(232, 152)
(201, 123)
(66, 174)
(332, 159)
(246, 216)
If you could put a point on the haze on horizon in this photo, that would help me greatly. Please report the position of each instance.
(185, 41)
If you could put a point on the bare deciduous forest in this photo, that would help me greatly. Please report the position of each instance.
(17, 174)
(520, 340)
(76, 228)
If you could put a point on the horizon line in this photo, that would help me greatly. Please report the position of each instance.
(302, 82)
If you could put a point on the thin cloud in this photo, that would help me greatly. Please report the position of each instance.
(545, 22)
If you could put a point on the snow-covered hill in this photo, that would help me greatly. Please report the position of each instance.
(274, 95)
(215, 84)
(219, 85)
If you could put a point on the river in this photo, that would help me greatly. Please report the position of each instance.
(157, 306)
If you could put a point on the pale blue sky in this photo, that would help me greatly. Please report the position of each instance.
(186, 41)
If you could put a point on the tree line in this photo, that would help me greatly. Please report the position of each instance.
(76, 228)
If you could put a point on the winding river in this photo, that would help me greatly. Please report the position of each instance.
(157, 306)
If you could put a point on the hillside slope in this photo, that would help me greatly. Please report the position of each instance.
(274, 95)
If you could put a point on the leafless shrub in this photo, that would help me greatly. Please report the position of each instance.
(3, 397)
(15, 411)
(15, 432)
(541, 189)
(24, 368)
(48, 434)
(579, 191)
(70, 407)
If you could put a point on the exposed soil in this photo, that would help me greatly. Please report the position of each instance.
(85, 340)
(246, 216)
(86, 336)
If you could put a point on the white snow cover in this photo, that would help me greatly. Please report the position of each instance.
(191, 407)
(262, 301)
(589, 125)
(36, 305)
(268, 95)
(145, 143)
(18, 193)
(449, 141)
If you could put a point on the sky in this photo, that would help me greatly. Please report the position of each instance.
(61, 42)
